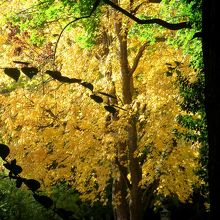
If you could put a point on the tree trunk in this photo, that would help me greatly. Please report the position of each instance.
(135, 204)
(135, 194)
(211, 38)
(119, 186)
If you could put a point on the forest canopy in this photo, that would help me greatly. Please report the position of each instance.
(106, 96)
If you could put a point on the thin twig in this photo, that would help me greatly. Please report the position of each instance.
(96, 4)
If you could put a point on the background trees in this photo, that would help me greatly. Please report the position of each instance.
(134, 149)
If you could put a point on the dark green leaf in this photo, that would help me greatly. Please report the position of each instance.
(4, 151)
(13, 162)
(110, 109)
(106, 94)
(54, 74)
(16, 169)
(29, 71)
(64, 214)
(19, 182)
(11, 175)
(87, 85)
(74, 80)
(66, 79)
(43, 200)
(96, 98)
(7, 166)
(14, 73)
(32, 184)
(168, 73)
(13, 167)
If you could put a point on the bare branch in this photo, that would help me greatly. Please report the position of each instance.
(170, 26)
(96, 4)
(138, 56)
(140, 53)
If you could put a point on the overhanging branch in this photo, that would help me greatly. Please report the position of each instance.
(170, 26)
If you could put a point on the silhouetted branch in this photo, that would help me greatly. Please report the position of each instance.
(170, 26)
(96, 4)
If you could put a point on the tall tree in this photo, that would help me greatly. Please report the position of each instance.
(210, 36)
(141, 159)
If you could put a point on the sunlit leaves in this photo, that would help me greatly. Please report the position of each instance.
(62, 122)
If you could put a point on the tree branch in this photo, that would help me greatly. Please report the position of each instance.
(121, 170)
(133, 11)
(137, 57)
(96, 4)
(140, 53)
(170, 26)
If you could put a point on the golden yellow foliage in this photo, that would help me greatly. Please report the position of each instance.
(57, 132)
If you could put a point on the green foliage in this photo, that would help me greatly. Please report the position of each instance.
(145, 32)
(69, 199)
(19, 204)
(35, 20)
(37, 39)
(32, 184)
(186, 38)
(193, 94)
(189, 40)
